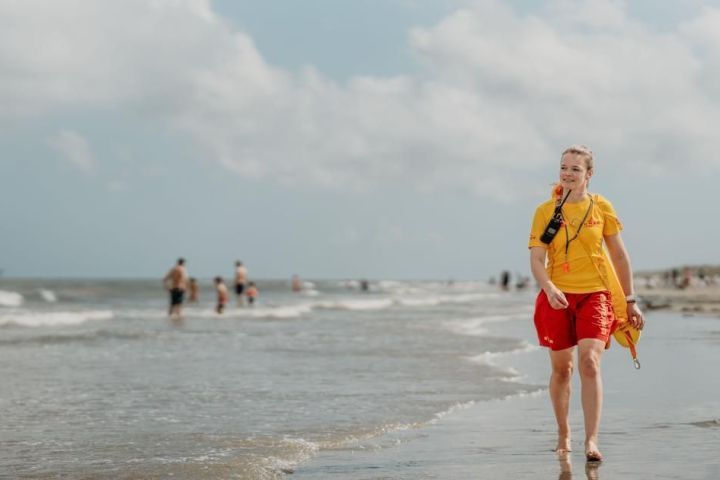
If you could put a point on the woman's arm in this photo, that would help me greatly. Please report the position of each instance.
(621, 261)
(555, 297)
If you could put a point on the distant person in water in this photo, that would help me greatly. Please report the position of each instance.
(364, 285)
(505, 280)
(296, 284)
(252, 293)
(176, 282)
(240, 281)
(222, 295)
(193, 291)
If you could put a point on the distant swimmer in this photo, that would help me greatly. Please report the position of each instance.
(505, 280)
(252, 293)
(364, 285)
(222, 295)
(193, 290)
(240, 281)
(296, 283)
(176, 282)
(522, 281)
(584, 292)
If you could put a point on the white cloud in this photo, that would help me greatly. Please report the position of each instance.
(500, 96)
(75, 149)
(82, 53)
(629, 92)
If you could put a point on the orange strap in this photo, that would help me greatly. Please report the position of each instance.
(631, 344)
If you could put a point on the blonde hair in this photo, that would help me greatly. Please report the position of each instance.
(581, 150)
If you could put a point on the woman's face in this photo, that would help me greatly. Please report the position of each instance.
(574, 174)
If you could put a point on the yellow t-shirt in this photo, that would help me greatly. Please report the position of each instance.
(581, 276)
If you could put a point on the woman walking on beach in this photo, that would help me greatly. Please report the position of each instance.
(575, 306)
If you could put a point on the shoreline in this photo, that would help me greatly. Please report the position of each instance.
(657, 422)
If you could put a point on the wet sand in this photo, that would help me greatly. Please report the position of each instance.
(662, 421)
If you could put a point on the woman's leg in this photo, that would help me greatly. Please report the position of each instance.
(562, 368)
(589, 355)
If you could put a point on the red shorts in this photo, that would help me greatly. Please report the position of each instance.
(588, 315)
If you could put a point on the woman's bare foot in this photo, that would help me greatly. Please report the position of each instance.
(563, 444)
(592, 453)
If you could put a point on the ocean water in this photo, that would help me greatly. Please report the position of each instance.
(97, 382)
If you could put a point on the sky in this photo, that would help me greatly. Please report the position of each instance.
(341, 139)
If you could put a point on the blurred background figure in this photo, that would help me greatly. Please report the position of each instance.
(240, 281)
(222, 295)
(193, 296)
(505, 280)
(175, 282)
(296, 283)
(252, 293)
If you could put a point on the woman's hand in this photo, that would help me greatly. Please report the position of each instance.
(555, 297)
(635, 316)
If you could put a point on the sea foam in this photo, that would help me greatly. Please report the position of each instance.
(366, 304)
(488, 358)
(42, 319)
(279, 312)
(10, 299)
(48, 295)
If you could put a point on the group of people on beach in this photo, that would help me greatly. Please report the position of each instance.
(691, 277)
(178, 282)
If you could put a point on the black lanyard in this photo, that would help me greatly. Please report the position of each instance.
(577, 232)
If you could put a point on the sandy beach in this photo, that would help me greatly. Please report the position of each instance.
(662, 421)
(704, 299)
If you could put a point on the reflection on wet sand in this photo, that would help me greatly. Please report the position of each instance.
(565, 465)
(592, 469)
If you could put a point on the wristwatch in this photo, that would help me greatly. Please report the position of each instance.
(631, 298)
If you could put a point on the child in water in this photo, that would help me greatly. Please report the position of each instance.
(252, 293)
(193, 298)
(222, 294)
